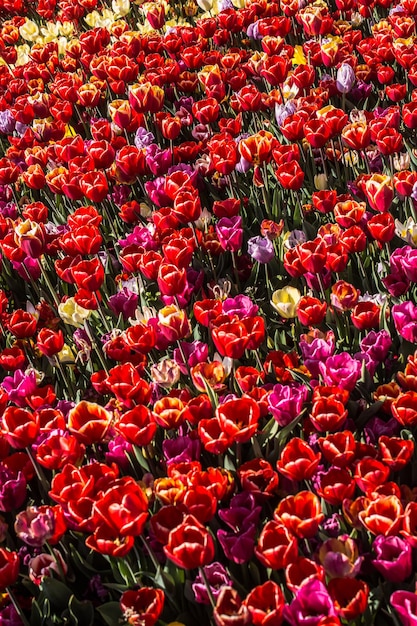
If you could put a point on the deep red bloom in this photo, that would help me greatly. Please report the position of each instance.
(89, 422)
(276, 547)
(142, 607)
(298, 460)
(301, 514)
(311, 311)
(266, 604)
(19, 427)
(22, 324)
(239, 418)
(338, 448)
(9, 568)
(350, 597)
(230, 338)
(123, 507)
(190, 545)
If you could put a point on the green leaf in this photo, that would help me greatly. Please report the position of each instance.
(81, 612)
(165, 581)
(56, 592)
(110, 612)
(38, 614)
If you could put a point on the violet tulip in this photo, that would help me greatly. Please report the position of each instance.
(217, 577)
(405, 603)
(286, 402)
(261, 249)
(341, 370)
(311, 605)
(230, 233)
(393, 558)
(405, 320)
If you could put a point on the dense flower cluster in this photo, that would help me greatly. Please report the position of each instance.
(208, 348)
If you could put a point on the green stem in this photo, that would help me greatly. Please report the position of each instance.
(207, 585)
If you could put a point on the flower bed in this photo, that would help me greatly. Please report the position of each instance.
(208, 310)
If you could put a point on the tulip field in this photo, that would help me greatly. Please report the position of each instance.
(208, 313)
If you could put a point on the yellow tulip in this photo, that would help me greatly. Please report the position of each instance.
(29, 31)
(285, 301)
(72, 313)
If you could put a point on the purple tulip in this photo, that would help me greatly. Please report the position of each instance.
(35, 527)
(242, 508)
(238, 546)
(230, 233)
(181, 449)
(117, 449)
(140, 236)
(194, 352)
(377, 345)
(316, 350)
(124, 302)
(405, 320)
(345, 78)
(409, 263)
(217, 577)
(261, 249)
(340, 557)
(29, 269)
(159, 161)
(405, 603)
(311, 604)
(10, 617)
(341, 370)
(286, 402)
(7, 122)
(143, 138)
(313, 282)
(376, 427)
(20, 386)
(393, 558)
(241, 305)
(156, 191)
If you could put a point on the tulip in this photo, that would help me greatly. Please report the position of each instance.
(393, 558)
(405, 603)
(142, 606)
(9, 568)
(261, 249)
(285, 301)
(311, 605)
(217, 577)
(345, 78)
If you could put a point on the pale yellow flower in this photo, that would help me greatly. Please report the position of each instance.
(62, 45)
(66, 29)
(351, 157)
(402, 161)
(66, 355)
(23, 53)
(285, 301)
(72, 313)
(320, 182)
(29, 31)
(120, 7)
(50, 32)
(100, 20)
(205, 5)
(407, 231)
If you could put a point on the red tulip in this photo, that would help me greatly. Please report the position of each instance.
(190, 545)
(9, 568)
(142, 607)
